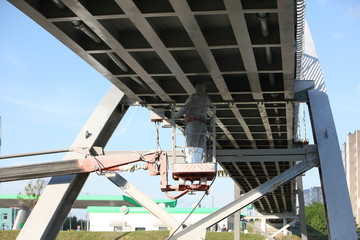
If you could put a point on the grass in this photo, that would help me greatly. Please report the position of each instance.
(230, 236)
(138, 235)
(313, 234)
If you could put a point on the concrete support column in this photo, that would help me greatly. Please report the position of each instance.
(332, 175)
(302, 218)
(285, 231)
(236, 214)
(21, 218)
(263, 225)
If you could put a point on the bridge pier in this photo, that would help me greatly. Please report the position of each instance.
(237, 215)
(337, 203)
(300, 195)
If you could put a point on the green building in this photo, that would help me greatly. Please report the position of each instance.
(7, 218)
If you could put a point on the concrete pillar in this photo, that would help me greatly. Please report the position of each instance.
(21, 218)
(285, 231)
(236, 214)
(300, 195)
(263, 225)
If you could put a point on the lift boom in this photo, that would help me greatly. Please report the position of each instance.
(155, 162)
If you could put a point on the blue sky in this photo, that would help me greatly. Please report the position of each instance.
(47, 93)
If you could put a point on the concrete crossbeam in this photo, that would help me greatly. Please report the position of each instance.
(266, 155)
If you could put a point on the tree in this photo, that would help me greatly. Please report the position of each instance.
(32, 193)
(71, 223)
(316, 217)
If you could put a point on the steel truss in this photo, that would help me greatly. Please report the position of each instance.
(56, 201)
(310, 159)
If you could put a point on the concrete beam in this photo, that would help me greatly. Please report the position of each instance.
(273, 216)
(266, 155)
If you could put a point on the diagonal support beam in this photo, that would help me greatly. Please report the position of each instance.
(60, 194)
(247, 198)
(283, 228)
(144, 201)
(332, 174)
(267, 236)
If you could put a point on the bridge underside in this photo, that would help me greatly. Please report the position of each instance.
(156, 51)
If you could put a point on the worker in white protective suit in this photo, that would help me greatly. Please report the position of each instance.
(195, 111)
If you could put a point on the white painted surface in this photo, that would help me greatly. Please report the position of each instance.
(132, 221)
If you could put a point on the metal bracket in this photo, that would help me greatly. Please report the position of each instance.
(301, 88)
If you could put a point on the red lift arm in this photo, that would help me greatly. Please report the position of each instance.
(156, 163)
